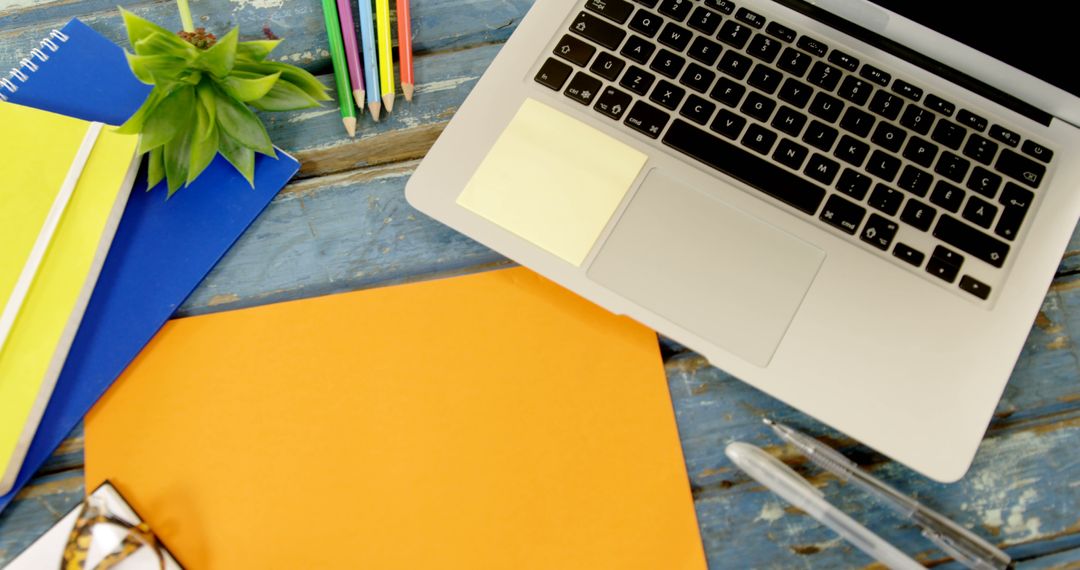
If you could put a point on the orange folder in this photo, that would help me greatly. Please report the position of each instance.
(491, 421)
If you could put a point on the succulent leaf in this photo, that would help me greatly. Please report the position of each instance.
(168, 119)
(221, 57)
(255, 51)
(247, 90)
(237, 121)
(155, 169)
(238, 155)
(284, 96)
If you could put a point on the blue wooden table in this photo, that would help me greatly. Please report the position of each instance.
(343, 224)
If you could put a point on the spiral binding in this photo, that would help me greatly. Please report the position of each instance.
(28, 65)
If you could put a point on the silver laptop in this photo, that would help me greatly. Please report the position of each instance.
(834, 202)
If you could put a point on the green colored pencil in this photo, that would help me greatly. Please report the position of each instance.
(341, 67)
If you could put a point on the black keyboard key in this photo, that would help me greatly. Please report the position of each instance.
(824, 76)
(984, 182)
(908, 254)
(698, 109)
(704, 50)
(676, 9)
(886, 199)
(647, 3)
(553, 74)
(1036, 151)
(725, 6)
(879, 232)
(607, 66)
(675, 36)
(780, 32)
(764, 48)
(613, 103)
(851, 151)
(948, 256)
(728, 92)
(789, 121)
(855, 90)
(905, 89)
(598, 30)
(918, 215)
(981, 149)
(875, 75)
(753, 18)
(668, 63)
(813, 46)
(759, 139)
(734, 34)
(794, 62)
(668, 95)
(646, 23)
(947, 196)
(889, 137)
(854, 184)
(1016, 202)
(920, 152)
(887, 105)
(980, 212)
(698, 78)
(1021, 168)
(820, 135)
(952, 167)
(915, 181)
(975, 287)
(883, 165)
(615, 10)
(583, 88)
(842, 214)
(949, 134)
(646, 119)
(728, 124)
(971, 120)
(790, 154)
(1004, 135)
(756, 172)
(844, 60)
(638, 80)
(574, 50)
(917, 119)
(939, 105)
(971, 241)
(758, 106)
(796, 92)
(822, 169)
(942, 269)
(734, 64)
(704, 20)
(857, 121)
(827, 107)
(638, 49)
(765, 78)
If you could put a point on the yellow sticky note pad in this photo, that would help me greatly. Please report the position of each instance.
(552, 180)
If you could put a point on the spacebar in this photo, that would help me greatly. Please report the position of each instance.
(747, 167)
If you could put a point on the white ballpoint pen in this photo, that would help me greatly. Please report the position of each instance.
(786, 483)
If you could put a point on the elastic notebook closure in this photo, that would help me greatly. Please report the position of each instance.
(28, 66)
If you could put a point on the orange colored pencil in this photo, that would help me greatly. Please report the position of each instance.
(404, 26)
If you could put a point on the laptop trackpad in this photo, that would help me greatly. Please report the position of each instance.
(714, 270)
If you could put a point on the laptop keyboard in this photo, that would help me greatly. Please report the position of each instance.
(847, 143)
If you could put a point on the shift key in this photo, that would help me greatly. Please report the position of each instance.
(970, 240)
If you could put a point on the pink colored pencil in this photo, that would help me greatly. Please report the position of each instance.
(404, 26)
(352, 51)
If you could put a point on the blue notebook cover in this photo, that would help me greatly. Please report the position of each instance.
(162, 249)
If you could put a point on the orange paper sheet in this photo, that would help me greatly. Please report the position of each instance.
(491, 421)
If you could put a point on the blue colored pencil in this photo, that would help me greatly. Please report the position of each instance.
(371, 58)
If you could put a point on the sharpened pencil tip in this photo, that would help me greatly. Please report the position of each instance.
(768, 422)
(388, 102)
(358, 94)
(407, 89)
(350, 125)
(376, 110)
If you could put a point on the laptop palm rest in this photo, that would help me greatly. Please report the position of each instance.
(708, 267)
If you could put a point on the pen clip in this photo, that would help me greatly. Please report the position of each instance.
(950, 547)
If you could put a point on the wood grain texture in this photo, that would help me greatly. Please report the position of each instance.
(344, 224)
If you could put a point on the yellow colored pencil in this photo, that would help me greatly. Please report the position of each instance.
(386, 52)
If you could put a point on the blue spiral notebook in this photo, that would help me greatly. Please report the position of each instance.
(162, 249)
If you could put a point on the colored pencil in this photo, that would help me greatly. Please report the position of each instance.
(371, 58)
(386, 52)
(341, 71)
(404, 39)
(352, 51)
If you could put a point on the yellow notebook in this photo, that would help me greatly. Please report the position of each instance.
(63, 186)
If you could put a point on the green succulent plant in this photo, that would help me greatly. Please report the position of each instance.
(202, 100)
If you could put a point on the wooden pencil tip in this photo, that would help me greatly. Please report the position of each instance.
(388, 102)
(376, 110)
(350, 125)
(358, 94)
(407, 89)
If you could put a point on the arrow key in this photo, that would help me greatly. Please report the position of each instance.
(613, 103)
